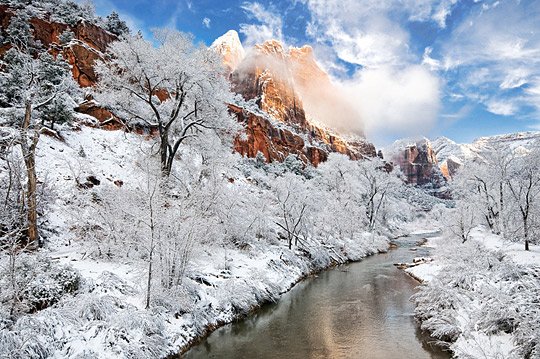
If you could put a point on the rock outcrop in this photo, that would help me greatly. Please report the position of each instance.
(418, 162)
(278, 81)
(88, 44)
(229, 47)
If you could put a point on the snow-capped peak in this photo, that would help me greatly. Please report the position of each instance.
(230, 48)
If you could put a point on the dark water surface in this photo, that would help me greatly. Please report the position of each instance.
(359, 310)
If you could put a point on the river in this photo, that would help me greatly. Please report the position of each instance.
(358, 310)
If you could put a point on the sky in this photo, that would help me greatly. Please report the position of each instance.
(460, 69)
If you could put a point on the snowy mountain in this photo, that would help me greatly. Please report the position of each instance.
(451, 155)
(280, 90)
(230, 48)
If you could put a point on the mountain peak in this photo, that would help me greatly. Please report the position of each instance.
(230, 48)
(272, 47)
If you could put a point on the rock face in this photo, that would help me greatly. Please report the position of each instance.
(274, 143)
(89, 43)
(265, 76)
(450, 166)
(230, 49)
(276, 80)
(418, 162)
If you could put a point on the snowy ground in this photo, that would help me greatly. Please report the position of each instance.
(477, 297)
(106, 317)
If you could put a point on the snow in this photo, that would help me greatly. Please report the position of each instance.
(473, 341)
(425, 271)
(230, 48)
(514, 250)
(425, 232)
(107, 316)
(445, 148)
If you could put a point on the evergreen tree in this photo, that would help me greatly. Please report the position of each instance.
(117, 26)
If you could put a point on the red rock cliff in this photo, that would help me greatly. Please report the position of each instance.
(418, 163)
(88, 45)
(279, 80)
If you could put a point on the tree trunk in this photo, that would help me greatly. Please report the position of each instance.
(29, 155)
(149, 281)
(163, 151)
(290, 241)
(526, 232)
(151, 251)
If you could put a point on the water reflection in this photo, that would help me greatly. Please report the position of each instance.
(361, 310)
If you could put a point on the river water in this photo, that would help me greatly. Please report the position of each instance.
(358, 310)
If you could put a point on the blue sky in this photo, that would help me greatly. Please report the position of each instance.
(462, 69)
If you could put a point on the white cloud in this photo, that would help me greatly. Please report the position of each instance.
(501, 107)
(427, 60)
(515, 78)
(404, 101)
(443, 10)
(270, 26)
(496, 50)
(360, 32)
(391, 91)
(206, 22)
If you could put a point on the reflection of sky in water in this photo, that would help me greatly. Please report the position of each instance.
(360, 311)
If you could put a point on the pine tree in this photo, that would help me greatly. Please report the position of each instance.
(117, 26)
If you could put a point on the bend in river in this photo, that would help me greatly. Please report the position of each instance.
(358, 310)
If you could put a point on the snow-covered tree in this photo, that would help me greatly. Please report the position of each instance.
(176, 87)
(117, 26)
(483, 183)
(462, 220)
(32, 81)
(293, 207)
(524, 188)
(377, 185)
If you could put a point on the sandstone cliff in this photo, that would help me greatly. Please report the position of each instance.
(88, 44)
(290, 87)
(417, 161)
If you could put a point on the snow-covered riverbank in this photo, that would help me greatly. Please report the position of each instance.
(222, 286)
(88, 284)
(473, 296)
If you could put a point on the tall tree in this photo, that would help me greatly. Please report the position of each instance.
(175, 87)
(31, 80)
(524, 186)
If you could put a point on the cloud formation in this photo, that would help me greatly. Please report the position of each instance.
(206, 22)
(395, 101)
(392, 92)
(496, 50)
(269, 26)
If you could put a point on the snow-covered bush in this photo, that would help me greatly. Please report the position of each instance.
(33, 283)
(480, 292)
(50, 286)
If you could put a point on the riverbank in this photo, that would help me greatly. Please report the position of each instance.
(471, 296)
(346, 312)
(276, 273)
(222, 286)
(221, 251)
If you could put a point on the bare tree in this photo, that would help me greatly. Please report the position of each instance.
(376, 183)
(524, 185)
(177, 88)
(463, 220)
(292, 202)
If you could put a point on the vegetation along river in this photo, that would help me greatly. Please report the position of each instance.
(358, 310)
